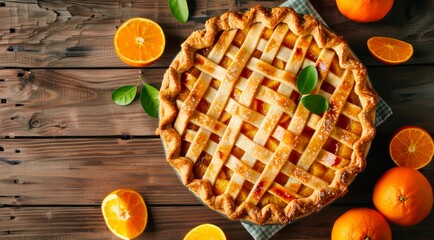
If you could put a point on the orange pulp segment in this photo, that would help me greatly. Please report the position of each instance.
(205, 232)
(125, 213)
(411, 147)
(389, 50)
(139, 42)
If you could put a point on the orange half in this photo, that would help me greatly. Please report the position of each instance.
(139, 42)
(125, 213)
(389, 50)
(411, 147)
(205, 232)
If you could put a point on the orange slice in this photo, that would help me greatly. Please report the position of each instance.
(125, 213)
(139, 42)
(389, 50)
(205, 232)
(411, 147)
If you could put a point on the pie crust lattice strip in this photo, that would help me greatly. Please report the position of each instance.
(233, 126)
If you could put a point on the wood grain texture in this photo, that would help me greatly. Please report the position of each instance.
(166, 222)
(80, 34)
(410, 93)
(66, 102)
(82, 171)
(72, 103)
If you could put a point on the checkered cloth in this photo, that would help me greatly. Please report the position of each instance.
(382, 113)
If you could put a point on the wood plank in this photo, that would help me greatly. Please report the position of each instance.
(87, 223)
(81, 171)
(70, 102)
(80, 34)
(409, 92)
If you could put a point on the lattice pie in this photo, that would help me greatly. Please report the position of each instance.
(233, 125)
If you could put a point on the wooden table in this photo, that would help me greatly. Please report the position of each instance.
(64, 144)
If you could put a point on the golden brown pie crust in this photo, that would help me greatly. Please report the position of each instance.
(301, 26)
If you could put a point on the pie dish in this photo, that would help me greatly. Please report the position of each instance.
(233, 126)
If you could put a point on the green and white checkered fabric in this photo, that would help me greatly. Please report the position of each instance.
(262, 232)
(303, 7)
(382, 113)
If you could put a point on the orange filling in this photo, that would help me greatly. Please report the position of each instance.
(319, 170)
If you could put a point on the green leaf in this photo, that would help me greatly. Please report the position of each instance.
(315, 103)
(149, 100)
(307, 79)
(179, 9)
(124, 95)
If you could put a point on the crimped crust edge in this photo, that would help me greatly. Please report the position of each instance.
(171, 86)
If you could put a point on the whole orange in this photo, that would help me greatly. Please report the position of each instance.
(403, 195)
(364, 10)
(361, 223)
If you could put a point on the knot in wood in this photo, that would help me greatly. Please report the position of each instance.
(34, 123)
(25, 75)
(18, 181)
